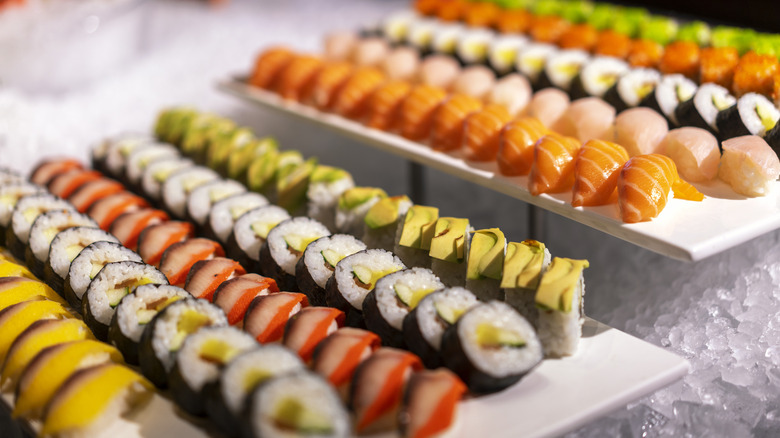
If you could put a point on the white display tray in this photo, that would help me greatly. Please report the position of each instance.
(685, 230)
(610, 370)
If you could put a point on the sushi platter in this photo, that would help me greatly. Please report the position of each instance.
(686, 231)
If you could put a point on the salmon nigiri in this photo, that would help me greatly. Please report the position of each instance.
(268, 66)
(596, 171)
(482, 132)
(644, 185)
(447, 130)
(516, 148)
(417, 111)
(296, 80)
(384, 105)
(553, 167)
(328, 82)
(352, 99)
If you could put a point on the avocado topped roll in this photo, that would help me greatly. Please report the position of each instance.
(65, 247)
(491, 347)
(239, 160)
(265, 170)
(561, 306)
(449, 249)
(25, 212)
(179, 185)
(225, 213)
(319, 262)
(292, 187)
(88, 263)
(223, 144)
(202, 198)
(414, 236)
(43, 231)
(249, 233)
(381, 221)
(286, 244)
(157, 173)
(198, 136)
(524, 264)
(486, 264)
(326, 185)
(353, 205)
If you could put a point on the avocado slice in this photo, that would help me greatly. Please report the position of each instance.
(523, 264)
(332, 257)
(261, 171)
(329, 174)
(449, 239)
(224, 144)
(385, 212)
(262, 229)
(559, 283)
(419, 227)
(291, 190)
(490, 335)
(194, 138)
(189, 322)
(410, 297)
(179, 122)
(213, 131)
(218, 351)
(239, 161)
(358, 196)
(145, 314)
(298, 242)
(486, 255)
(291, 414)
(447, 313)
(369, 277)
(286, 162)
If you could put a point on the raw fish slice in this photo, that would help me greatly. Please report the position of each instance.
(384, 106)
(106, 210)
(328, 82)
(438, 71)
(89, 193)
(206, 276)
(482, 132)
(417, 111)
(587, 119)
(749, 165)
(64, 184)
(596, 173)
(516, 149)
(447, 131)
(296, 79)
(553, 167)
(339, 45)
(475, 81)
(695, 153)
(235, 296)
(129, 226)
(179, 258)
(548, 105)
(155, 239)
(268, 66)
(641, 131)
(513, 91)
(352, 99)
(370, 52)
(402, 64)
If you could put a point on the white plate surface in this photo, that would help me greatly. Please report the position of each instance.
(685, 230)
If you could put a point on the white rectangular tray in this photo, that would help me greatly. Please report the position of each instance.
(685, 230)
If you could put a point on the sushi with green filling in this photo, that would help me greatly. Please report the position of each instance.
(319, 261)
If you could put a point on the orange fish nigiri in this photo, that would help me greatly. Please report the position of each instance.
(553, 167)
(516, 148)
(268, 66)
(612, 43)
(352, 99)
(482, 132)
(384, 105)
(447, 130)
(418, 109)
(513, 21)
(328, 82)
(296, 79)
(596, 171)
(644, 185)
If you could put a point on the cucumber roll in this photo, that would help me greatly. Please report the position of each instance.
(561, 68)
(319, 261)
(424, 326)
(26, 210)
(701, 111)
(485, 264)
(285, 244)
(227, 398)
(631, 88)
(420, 35)
(561, 306)
(135, 311)
(88, 263)
(163, 336)
(224, 213)
(43, 232)
(337, 357)
(201, 199)
(473, 45)
(449, 249)
(668, 94)
(249, 234)
(381, 221)
(445, 38)
(326, 185)
(753, 114)
(491, 347)
(393, 297)
(199, 361)
(140, 159)
(157, 173)
(597, 76)
(118, 151)
(107, 289)
(524, 265)
(531, 60)
(267, 315)
(414, 235)
(65, 247)
(502, 54)
(395, 28)
(178, 186)
(353, 205)
(10, 194)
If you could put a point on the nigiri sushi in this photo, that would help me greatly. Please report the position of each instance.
(339, 45)
(384, 105)
(370, 52)
(268, 66)
(438, 71)
(612, 43)
(447, 131)
(640, 131)
(644, 53)
(548, 105)
(579, 36)
(328, 82)
(553, 167)
(596, 171)
(513, 91)
(516, 148)
(476, 81)
(401, 64)
(513, 21)
(295, 80)
(418, 109)
(482, 132)
(749, 165)
(681, 57)
(755, 73)
(586, 119)
(548, 28)
(352, 99)
(717, 65)
(695, 151)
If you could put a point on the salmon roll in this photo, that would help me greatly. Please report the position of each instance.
(45, 171)
(129, 226)
(88, 264)
(64, 184)
(384, 105)
(644, 53)
(755, 74)
(296, 79)
(107, 210)
(681, 57)
(269, 65)
(43, 231)
(482, 132)
(586, 119)
(596, 171)
(353, 96)
(249, 233)
(516, 149)
(337, 357)
(65, 247)
(417, 111)
(155, 239)
(26, 211)
(447, 130)
(93, 191)
(206, 276)
(717, 65)
(179, 258)
(267, 315)
(613, 44)
(235, 295)
(307, 328)
(553, 168)
(328, 83)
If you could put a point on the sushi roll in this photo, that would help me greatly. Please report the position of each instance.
(581, 36)
(107, 289)
(300, 403)
(640, 131)
(548, 106)
(353, 205)
(43, 231)
(449, 249)
(337, 357)
(205, 276)
(439, 387)
(749, 165)
(106, 210)
(668, 94)
(292, 185)
(267, 315)
(381, 221)
(414, 235)
(376, 407)
(531, 60)
(401, 64)
(326, 185)
(438, 71)
(236, 295)
(561, 68)
(26, 210)
(139, 160)
(155, 239)
(201, 199)
(239, 160)
(491, 347)
(249, 234)
(701, 111)
(446, 38)
(420, 35)
(717, 65)
(88, 263)
(631, 88)
(119, 150)
(512, 91)
(355, 276)
(179, 185)
(485, 264)
(227, 397)
(14, 290)
(64, 184)
(10, 194)
(319, 261)
(502, 53)
(393, 297)
(613, 44)
(695, 151)
(167, 128)
(587, 119)
(135, 311)
(548, 28)
(754, 73)
(307, 328)
(285, 244)
(93, 191)
(524, 264)
(681, 57)
(753, 114)
(224, 213)
(48, 169)
(180, 257)
(163, 336)
(473, 46)
(157, 173)
(129, 226)
(561, 306)
(476, 81)
(644, 53)
(597, 76)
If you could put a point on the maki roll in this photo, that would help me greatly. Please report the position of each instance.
(420, 35)
(393, 297)
(93, 191)
(307, 328)
(561, 306)
(179, 258)
(64, 184)
(319, 261)
(45, 171)
(355, 276)
(117, 153)
(201, 199)
(337, 357)
(668, 94)
(129, 226)
(440, 388)
(26, 210)
(205, 276)
(701, 111)
(524, 265)
(227, 397)
(199, 361)
(353, 205)
(224, 213)
(86, 265)
(10, 194)
(631, 88)
(414, 235)
(180, 184)
(597, 76)
(157, 173)
(140, 159)
(381, 221)
(473, 45)
(163, 336)
(753, 114)
(249, 234)
(107, 289)
(446, 38)
(561, 68)
(14, 290)
(106, 210)
(155, 239)
(267, 315)
(424, 326)
(236, 295)
(449, 248)
(43, 231)
(292, 185)
(134, 313)
(326, 185)
(502, 53)
(531, 60)
(491, 347)
(485, 264)
(285, 244)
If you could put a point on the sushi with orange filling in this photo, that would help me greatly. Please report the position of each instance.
(418, 109)
(129, 226)
(47, 170)
(179, 258)
(267, 315)
(513, 21)
(579, 36)
(155, 239)
(482, 132)
(268, 66)
(481, 14)
(548, 28)
(107, 210)
(516, 149)
(644, 53)
(307, 328)
(93, 191)
(235, 296)
(755, 73)
(64, 184)
(206, 276)
(353, 97)
(337, 357)
(447, 131)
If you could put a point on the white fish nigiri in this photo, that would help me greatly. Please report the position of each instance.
(402, 63)
(586, 119)
(339, 45)
(512, 91)
(475, 81)
(370, 52)
(438, 71)
(749, 165)
(548, 105)
(640, 130)
(695, 152)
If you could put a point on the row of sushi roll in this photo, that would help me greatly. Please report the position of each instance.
(583, 146)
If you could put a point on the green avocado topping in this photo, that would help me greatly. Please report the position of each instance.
(419, 226)
(523, 265)
(449, 239)
(486, 255)
(559, 284)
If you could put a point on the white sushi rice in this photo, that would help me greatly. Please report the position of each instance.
(504, 361)
(431, 325)
(29, 208)
(473, 45)
(92, 259)
(384, 237)
(671, 90)
(118, 275)
(486, 289)
(197, 370)
(373, 259)
(133, 314)
(749, 105)
(300, 227)
(503, 52)
(224, 213)
(178, 186)
(560, 332)
(202, 198)
(67, 245)
(452, 274)
(120, 148)
(562, 67)
(636, 80)
(268, 360)
(10, 194)
(319, 269)
(532, 58)
(596, 74)
(140, 158)
(416, 279)
(709, 100)
(247, 238)
(47, 225)
(322, 199)
(158, 172)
